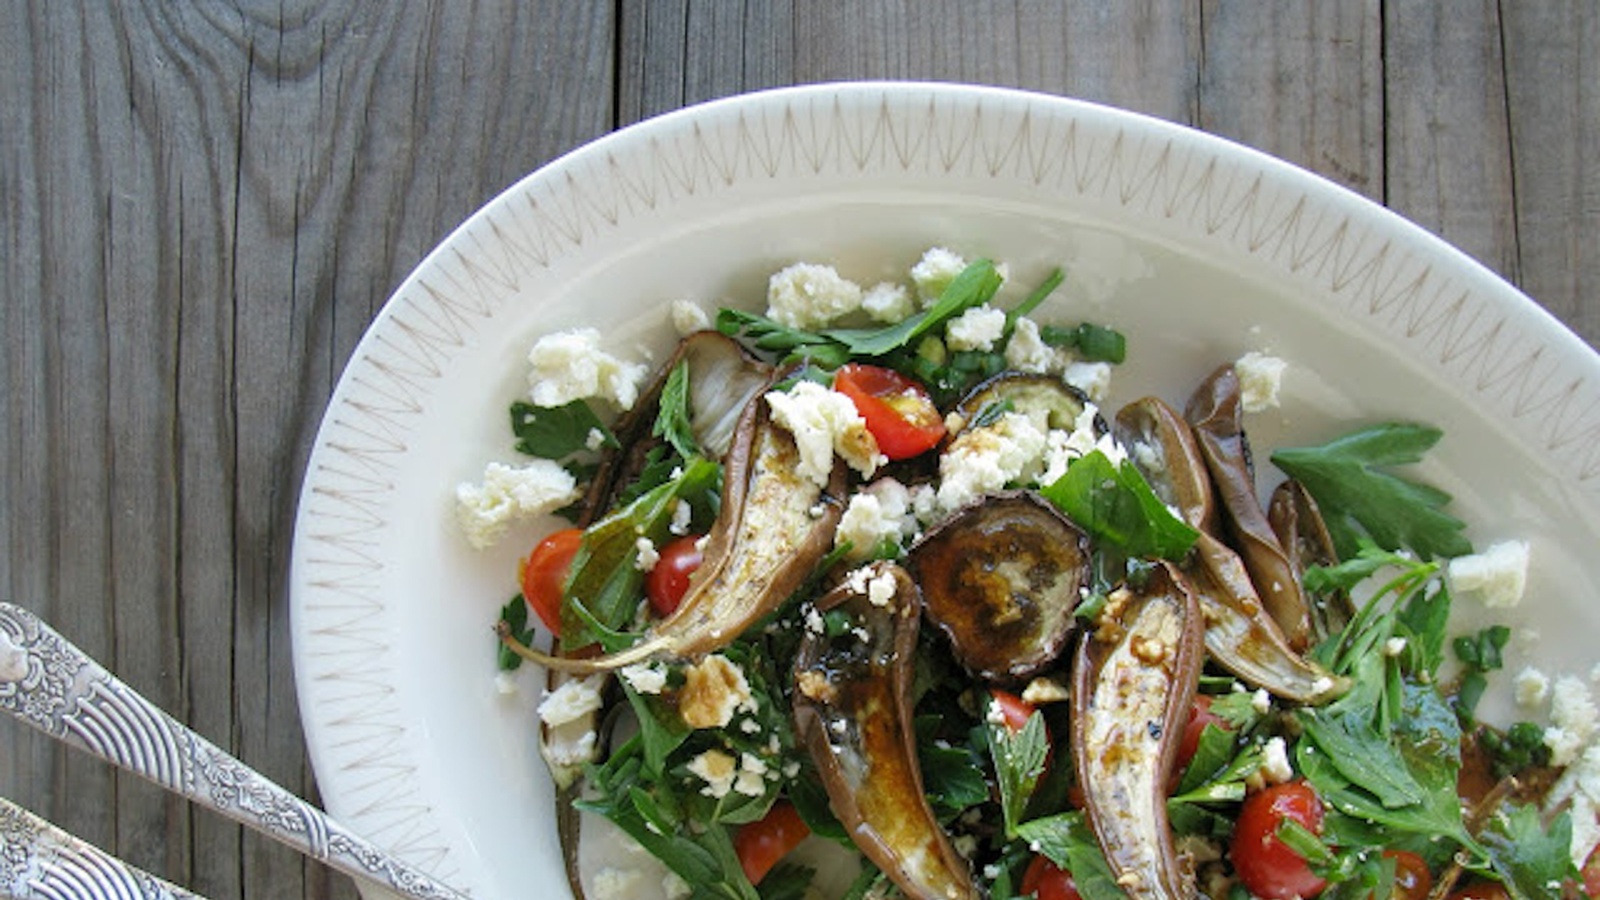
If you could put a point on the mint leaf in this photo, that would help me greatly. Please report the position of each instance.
(1018, 763)
(975, 286)
(1116, 505)
(1069, 843)
(1348, 481)
(1531, 858)
(515, 617)
(672, 416)
(557, 432)
(1362, 755)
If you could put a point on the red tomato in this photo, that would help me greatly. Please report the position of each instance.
(760, 844)
(1412, 880)
(1045, 880)
(898, 410)
(1014, 710)
(544, 575)
(1590, 875)
(668, 581)
(1264, 864)
(1200, 715)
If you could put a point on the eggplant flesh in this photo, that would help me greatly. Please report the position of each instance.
(1001, 578)
(774, 527)
(1134, 679)
(1216, 413)
(1047, 400)
(853, 714)
(1239, 633)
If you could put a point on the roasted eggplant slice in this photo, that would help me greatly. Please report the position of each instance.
(1133, 681)
(1239, 633)
(775, 526)
(1001, 578)
(1039, 397)
(852, 712)
(1216, 413)
(1297, 521)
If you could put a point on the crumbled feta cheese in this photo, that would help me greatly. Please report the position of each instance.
(1275, 762)
(682, 518)
(1532, 687)
(1498, 575)
(647, 556)
(595, 440)
(888, 303)
(645, 678)
(1573, 719)
(1062, 447)
(824, 422)
(714, 689)
(505, 684)
(976, 329)
(614, 884)
(934, 272)
(510, 494)
(571, 701)
(1044, 690)
(809, 296)
(1394, 646)
(717, 769)
(1027, 351)
(688, 317)
(751, 780)
(983, 460)
(878, 513)
(1260, 379)
(569, 365)
(1578, 789)
(1261, 701)
(1093, 378)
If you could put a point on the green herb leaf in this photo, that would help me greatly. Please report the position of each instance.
(1116, 505)
(559, 431)
(515, 616)
(1069, 843)
(1348, 479)
(672, 416)
(975, 286)
(1533, 859)
(1094, 343)
(1361, 754)
(1040, 293)
(1018, 763)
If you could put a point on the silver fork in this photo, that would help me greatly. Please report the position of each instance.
(39, 861)
(52, 685)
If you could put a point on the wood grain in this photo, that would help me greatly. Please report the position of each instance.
(205, 204)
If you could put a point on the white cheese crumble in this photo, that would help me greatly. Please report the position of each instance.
(888, 302)
(1573, 719)
(571, 701)
(509, 494)
(979, 328)
(647, 554)
(880, 512)
(1261, 701)
(717, 769)
(1275, 766)
(1497, 576)
(752, 778)
(1532, 687)
(569, 365)
(984, 460)
(824, 422)
(1027, 351)
(934, 272)
(1260, 380)
(714, 689)
(1093, 378)
(645, 678)
(810, 296)
(688, 317)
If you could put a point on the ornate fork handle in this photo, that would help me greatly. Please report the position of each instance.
(58, 689)
(39, 860)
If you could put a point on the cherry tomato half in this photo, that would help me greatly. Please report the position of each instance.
(1265, 864)
(668, 581)
(1481, 890)
(1412, 880)
(544, 575)
(899, 412)
(1014, 711)
(1045, 880)
(760, 844)
(1200, 715)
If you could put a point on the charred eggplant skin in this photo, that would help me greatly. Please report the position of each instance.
(1297, 521)
(853, 714)
(1001, 578)
(1040, 397)
(1134, 678)
(1216, 413)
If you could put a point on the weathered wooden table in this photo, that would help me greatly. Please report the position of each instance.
(204, 204)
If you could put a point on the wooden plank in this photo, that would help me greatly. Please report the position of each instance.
(1553, 103)
(210, 206)
(677, 53)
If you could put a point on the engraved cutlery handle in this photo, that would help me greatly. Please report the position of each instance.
(39, 861)
(58, 689)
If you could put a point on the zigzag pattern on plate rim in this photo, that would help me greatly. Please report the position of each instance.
(838, 132)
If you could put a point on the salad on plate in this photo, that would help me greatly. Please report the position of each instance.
(875, 594)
